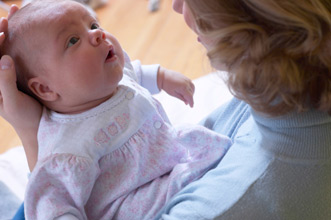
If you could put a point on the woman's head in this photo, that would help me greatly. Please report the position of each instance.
(278, 53)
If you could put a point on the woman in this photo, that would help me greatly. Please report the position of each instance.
(278, 56)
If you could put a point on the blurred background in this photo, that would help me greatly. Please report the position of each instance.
(160, 37)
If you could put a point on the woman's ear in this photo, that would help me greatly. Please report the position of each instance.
(42, 90)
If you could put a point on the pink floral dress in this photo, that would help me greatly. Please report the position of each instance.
(119, 160)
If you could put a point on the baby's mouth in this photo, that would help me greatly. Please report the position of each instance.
(111, 54)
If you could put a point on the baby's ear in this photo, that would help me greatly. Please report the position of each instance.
(42, 90)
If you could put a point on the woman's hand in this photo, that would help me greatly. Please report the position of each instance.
(4, 23)
(20, 110)
(176, 84)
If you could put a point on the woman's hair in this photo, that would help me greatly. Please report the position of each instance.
(278, 53)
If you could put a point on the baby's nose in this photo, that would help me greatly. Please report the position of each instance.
(97, 36)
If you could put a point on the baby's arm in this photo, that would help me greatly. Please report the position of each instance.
(20, 110)
(176, 84)
(156, 78)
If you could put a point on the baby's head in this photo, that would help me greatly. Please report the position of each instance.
(278, 53)
(62, 56)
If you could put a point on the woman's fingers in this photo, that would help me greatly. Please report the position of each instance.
(13, 9)
(4, 23)
(8, 85)
(3, 29)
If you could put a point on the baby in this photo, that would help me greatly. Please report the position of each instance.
(106, 147)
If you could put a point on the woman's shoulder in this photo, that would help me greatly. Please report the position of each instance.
(228, 117)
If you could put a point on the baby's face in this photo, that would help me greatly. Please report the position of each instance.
(83, 63)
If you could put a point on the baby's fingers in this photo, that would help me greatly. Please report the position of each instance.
(189, 97)
(190, 101)
(187, 94)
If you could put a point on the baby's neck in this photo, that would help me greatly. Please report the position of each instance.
(76, 109)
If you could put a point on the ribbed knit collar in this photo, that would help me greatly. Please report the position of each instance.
(297, 135)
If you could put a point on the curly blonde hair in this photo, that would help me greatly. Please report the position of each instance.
(278, 53)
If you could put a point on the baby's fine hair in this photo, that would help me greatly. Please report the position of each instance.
(278, 52)
(20, 43)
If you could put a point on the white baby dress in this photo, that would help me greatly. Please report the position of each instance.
(120, 160)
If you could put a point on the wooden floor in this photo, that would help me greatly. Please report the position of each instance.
(159, 37)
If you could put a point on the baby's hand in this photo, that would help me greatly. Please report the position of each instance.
(176, 84)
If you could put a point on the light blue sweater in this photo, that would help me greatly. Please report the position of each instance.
(277, 168)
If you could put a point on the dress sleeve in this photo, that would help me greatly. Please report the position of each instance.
(147, 75)
(60, 186)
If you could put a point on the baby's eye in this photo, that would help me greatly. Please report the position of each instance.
(94, 26)
(72, 41)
